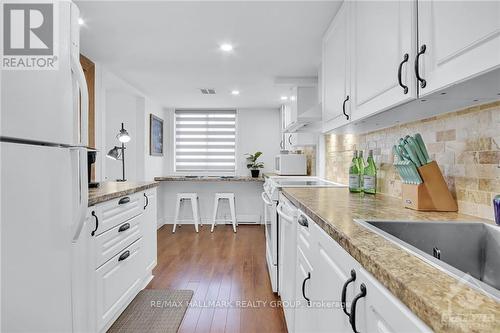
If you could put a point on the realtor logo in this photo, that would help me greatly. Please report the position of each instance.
(29, 34)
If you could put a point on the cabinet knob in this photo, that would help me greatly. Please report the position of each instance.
(124, 200)
(124, 227)
(124, 255)
(303, 221)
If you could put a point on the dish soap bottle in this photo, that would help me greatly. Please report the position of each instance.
(354, 175)
(370, 175)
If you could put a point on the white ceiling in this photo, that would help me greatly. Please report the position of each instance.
(169, 50)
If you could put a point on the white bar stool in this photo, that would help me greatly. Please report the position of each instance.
(230, 198)
(195, 206)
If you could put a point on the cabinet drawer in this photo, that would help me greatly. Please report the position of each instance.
(380, 311)
(117, 281)
(116, 211)
(109, 243)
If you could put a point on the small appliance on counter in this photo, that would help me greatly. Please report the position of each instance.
(91, 157)
(290, 165)
(424, 187)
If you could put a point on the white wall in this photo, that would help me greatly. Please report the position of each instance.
(258, 130)
(117, 102)
(121, 107)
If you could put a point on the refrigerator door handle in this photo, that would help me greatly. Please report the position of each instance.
(82, 113)
(82, 195)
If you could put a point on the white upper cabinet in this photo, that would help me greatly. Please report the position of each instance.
(458, 40)
(335, 76)
(383, 49)
(378, 55)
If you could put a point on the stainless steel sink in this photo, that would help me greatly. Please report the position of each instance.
(458, 248)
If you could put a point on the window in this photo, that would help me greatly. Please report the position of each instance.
(205, 141)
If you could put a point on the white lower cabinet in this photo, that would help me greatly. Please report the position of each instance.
(117, 282)
(115, 255)
(329, 277)
(380, 311)
(333, 267)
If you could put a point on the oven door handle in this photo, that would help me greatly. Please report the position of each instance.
(280, 212)
(265, 199)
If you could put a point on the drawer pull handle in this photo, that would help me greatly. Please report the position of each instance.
(303, 221)
(124, 255)
(423, 83)
(343, 107)
(304, 288)
(344, 291)
(96, 223)
(124, 200)
(400, 68)
(352, 317)
(147, 200)
(124, 227)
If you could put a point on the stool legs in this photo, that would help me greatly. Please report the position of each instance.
(196, 214)
(176, 219)
(232, 209)
(233, 214)
(195, 207)
(216, 205)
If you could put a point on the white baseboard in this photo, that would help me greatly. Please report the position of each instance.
(241, 219)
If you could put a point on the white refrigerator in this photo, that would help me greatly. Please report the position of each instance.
(44, 190)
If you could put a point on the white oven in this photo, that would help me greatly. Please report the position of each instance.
(275, 218)
(271, 226)
(290, 164)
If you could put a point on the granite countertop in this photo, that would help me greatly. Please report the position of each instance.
(208, 179)
(111, 190)
(429, 292)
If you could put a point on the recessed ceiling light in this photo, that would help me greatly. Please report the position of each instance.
(81, 21)
(235, 92)
(226, 47)
(292, 98)
(283, 98)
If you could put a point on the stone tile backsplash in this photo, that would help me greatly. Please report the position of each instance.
(465, 144)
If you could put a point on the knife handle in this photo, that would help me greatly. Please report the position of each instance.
(423, 148)
(415, 147)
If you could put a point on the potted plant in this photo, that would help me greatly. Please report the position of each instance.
(253, 165)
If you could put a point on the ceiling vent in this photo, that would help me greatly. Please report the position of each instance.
(207, 91)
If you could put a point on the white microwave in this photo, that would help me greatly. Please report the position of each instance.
(290, 165)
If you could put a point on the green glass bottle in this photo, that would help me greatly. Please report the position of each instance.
(354, 175)
(370, 175)
(361, 167)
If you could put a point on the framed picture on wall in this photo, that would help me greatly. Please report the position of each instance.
(155, 135)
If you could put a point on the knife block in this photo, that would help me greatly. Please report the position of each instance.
(432, 195)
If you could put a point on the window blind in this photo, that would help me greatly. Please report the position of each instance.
(205, 140)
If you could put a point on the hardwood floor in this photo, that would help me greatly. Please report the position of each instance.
(220, 266)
